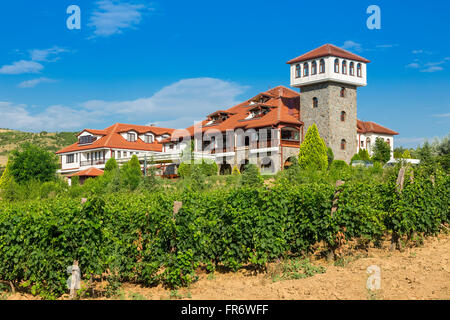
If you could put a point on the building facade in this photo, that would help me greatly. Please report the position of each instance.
(266, 130)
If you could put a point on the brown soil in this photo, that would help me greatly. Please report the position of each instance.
(416, 273)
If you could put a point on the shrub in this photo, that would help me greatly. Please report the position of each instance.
(313, 152)
(251, 177)
(330, 156)
(381, 151)
(111, 165)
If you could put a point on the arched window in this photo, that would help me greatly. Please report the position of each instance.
(343, 92)
(336, 65)
(305, 69)
(343, 116)
(344, 67)
(352, 69)
(298, 71)
(388, 141)
(358, 70)
(315, 102)
(343, 144)
(322, 66)
(313, 68)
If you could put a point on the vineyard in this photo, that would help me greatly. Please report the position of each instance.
(140, 238)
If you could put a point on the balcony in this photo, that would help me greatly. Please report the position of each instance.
(92, 162)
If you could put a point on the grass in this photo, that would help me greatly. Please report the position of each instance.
(294, 269)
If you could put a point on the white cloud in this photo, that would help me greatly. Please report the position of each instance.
(34, 82)
(431, 69)
(113, 16)
(413, 65)
(384, 46)
(177, 105)
(21, 67)
(351, 45)
(43, 55)
(442, 115)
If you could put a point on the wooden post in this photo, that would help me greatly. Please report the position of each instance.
(400, 180)
(75, 280)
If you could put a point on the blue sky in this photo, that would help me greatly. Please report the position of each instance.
(173, 62)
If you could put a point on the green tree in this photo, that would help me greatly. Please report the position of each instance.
(381, 151)
(6, 177)
(30, 162)
(111, 165)
(132, 173)
(330, 156)
(425, 154)
(364, 155)
(251, 177)
(313, 151)
(406, 154)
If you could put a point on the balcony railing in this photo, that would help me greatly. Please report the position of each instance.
(92, 162)
(264, 144)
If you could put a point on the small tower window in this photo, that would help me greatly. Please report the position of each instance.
(305, 69)
(298, 71)
(352, 69)
(343, 116)
(322, 66)
(343, 144)
(342, 93)
(315, 102)
(314, 68)
(336, 66)
(358, 70)
(344, 67)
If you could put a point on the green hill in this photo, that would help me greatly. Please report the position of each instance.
(51, 141)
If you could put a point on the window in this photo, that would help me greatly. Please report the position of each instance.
(358, 70)
(70, 158)
(343, 115)
(86, 139)
(388, 141)
(290, 135)
(315, 102)
(343, 143)
(119, 154)
(322, 66)
(336, 66)
(131, 137)
(298, 71)
(344, 67)
(352, 69)
(314, 68)
(342, 92)
(362, 144)
(148, 138)
(305, 69)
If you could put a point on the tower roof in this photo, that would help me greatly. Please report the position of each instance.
(328, 50)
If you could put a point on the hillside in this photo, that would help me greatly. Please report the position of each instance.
(51, 141)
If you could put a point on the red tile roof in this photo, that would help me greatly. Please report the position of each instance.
(285, 108)
(328, 50)
(91, 172)
(113, 139)
(369, 126)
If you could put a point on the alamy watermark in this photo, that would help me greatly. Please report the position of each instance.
(374, 20)
(374, 279)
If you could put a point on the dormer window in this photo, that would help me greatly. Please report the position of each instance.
(131, 137)
(86, 139)
(148, 138)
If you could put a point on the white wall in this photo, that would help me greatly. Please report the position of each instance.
(373, 137)
(329, 74)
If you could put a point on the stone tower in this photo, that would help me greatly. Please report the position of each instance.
(328, 78)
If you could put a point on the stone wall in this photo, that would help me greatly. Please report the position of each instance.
(327, 116)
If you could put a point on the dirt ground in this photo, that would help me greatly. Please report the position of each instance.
(416, 273)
